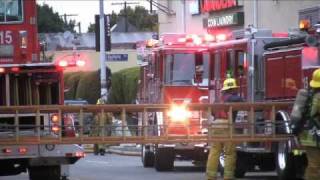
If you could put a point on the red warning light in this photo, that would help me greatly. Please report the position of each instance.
(15, 69)
(63, 63)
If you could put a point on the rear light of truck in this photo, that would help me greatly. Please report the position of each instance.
(15, 69)
(6, 150)
(55, 125)
(23, 150)
(2, 70)
(55, 118)
(76, 154)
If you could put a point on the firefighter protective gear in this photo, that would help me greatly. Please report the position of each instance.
(315, 82)
(100, 120)
(220, 127)
(310, 138)
(229, 150)
(100, 101)
(299, 111)
(229, 83)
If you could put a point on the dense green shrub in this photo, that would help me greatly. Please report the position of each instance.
(89, 87)
(124, 86)
(71, 81)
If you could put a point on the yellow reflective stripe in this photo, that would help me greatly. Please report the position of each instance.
(298, 152)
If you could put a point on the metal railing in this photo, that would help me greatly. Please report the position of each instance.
(137, 124)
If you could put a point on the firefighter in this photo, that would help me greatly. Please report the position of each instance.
(309, 139)
(99, 120)
(229, 94)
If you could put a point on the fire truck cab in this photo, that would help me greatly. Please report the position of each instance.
(25, 80)
(175, 72)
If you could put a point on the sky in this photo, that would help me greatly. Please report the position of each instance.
(86, 9)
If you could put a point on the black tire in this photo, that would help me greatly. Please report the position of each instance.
(96, 149)
(102, 152)
(164, 159)
(284, 163)
(45, 172)
(147, 157)
(288, 166)
(241, 165)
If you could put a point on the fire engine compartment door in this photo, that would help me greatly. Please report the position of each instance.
(30, 88)
(283, 74)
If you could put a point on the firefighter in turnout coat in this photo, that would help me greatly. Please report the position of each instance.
(230, 94)
(309, 137)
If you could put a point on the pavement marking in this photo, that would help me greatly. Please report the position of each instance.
(98, 162)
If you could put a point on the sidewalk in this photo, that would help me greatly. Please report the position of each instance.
(122, 149)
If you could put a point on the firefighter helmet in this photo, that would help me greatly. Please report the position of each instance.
(315, 82)
(229, 83)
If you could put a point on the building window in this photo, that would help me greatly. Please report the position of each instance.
(10, 11)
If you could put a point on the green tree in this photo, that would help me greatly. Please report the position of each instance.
(141, 18)
(50, 21)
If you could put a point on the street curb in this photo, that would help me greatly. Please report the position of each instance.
(123, 153)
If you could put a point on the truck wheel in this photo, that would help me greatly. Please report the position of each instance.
(45, 172)
(164, 159)
(102, 152)
(241, 165)
(147, 157)
(285, 169)
(288, 167)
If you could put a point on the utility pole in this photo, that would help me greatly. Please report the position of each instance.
(151, 6)
(67, 15)
(125, 12)
(79, 26)
(103, 74)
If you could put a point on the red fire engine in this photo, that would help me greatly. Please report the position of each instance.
(191, 69)
(175, 72)
(26, 80)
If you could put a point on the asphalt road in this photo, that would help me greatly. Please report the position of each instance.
(115, 167)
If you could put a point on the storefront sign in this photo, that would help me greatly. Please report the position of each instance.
(236, 19)
(117, 57)
(194, 7)
(217, 5)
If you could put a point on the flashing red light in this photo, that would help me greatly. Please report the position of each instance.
(63, 63)
(221, 37)
(182, 40)
(2, 70)
(15, 69)
(209, 38)
(6, 151)
(197, 40)
(80, 63)
(23, 150)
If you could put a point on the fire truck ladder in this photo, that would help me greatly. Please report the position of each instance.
(258, 124)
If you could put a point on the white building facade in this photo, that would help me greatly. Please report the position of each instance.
(202, 16)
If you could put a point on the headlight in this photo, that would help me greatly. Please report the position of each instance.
(179, 113)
